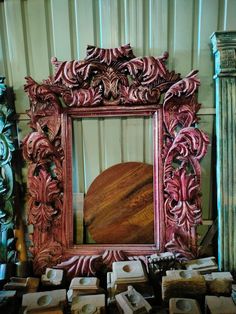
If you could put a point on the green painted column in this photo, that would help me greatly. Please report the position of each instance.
(224, 50)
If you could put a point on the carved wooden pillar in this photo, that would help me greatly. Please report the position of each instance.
(7, 247)
(224, 49)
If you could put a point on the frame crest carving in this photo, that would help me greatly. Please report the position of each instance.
(113, 82)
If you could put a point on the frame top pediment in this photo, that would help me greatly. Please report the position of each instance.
(111, 77)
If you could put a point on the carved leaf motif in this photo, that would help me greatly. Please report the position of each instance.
(2, 86)
(6, 182)
(5, 116)
(57, 171)
(109, 55)
(151, 72)
(45, 200)
(37, 147)
(82, 97)
(81, 265)
(6, 142)
(177, 114)
(6, 214)
(110, 80)
(6, 146)
(177, 246)
(189, 147)
(186, 86)
(147, 69)
(180, 206)
(51, 125)
(110, 256)
(72, 73)
(48, 255)
(136, 95)
(191, 141)
(180, 105)
(45, 95)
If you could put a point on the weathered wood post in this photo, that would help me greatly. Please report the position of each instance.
(224, 50)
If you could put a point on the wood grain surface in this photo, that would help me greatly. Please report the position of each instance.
(118, 207)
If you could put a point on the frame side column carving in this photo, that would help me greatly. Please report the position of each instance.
(224, 50)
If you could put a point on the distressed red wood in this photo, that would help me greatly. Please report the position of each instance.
(113, 82)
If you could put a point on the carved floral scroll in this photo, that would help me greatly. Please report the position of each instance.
(115, 80)
(7, 146)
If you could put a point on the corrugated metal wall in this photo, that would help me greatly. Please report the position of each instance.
(32, 31)
(100, 143)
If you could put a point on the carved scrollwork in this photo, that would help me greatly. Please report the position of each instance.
(185, 146)
(105, 79)
(6, 150)
(180, 106)
(45, 202)
(181, 206)
(47, 255)
(45, 175)
(110, 256)
(109, 55)
(7, 147)
(37, 146)
(6, 142)
(42, 149)
(83, 265)
(177, 245)
(89, 265)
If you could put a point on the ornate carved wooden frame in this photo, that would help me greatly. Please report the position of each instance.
(112, 82)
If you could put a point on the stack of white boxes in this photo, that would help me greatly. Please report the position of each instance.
(125, 274)
(86, 296)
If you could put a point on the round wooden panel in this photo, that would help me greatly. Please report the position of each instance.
(118, 207)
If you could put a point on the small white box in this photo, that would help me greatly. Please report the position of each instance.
(52, 276)
(83, 286)
(82, 283)
(132, 302)
(94, 304)
(128, 272)
(44, 300)
(220, 305)
(203, 265)
(183, 305)
(182, 274)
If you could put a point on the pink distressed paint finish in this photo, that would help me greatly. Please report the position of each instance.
(112, 82)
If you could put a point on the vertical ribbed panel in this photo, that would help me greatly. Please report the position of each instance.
(224, 45)
(3, 67)
(16, 39)
(60, 16)
(104, 142)
(226, 170)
